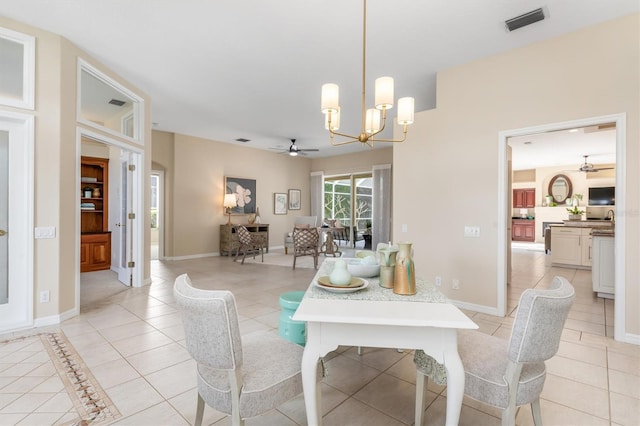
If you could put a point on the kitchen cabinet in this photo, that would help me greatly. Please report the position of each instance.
(523, 230)
(603, 270)
(524, 198)
(571, 246)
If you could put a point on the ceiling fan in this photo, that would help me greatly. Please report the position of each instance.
(589, 168)
(295, 150)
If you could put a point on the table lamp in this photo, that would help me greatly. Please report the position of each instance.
(229, 203)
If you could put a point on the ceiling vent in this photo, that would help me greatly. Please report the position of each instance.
(524, 20)
(117, 102)
(243, 140)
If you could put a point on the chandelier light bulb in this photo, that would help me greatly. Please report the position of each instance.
(335, 120)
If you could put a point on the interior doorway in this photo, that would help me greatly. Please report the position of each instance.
(504, 218)
(157, 214)
(125, 218)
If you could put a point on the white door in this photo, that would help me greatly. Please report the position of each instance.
(16, 222)
(123, 235)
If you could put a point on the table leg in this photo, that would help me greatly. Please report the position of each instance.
(455, 386)
(311, 386)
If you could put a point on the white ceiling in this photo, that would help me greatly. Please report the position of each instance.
(253, 69)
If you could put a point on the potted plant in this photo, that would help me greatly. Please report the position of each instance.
(549, 199)
(575, 213)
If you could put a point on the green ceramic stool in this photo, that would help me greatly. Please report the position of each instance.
(294, 331)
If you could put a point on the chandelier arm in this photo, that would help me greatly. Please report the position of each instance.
(334, 143)
(344, 135)
(404, 136)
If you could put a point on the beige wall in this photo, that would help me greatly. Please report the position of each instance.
(56, 162)
(194, 186)
(195, 172)
(588, 73)
(353, 163)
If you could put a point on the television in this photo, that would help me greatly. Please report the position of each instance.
(602, 196)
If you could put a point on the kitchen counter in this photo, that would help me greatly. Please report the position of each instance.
(603, 232)
(588, 223)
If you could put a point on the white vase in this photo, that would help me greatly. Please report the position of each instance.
(340, 274)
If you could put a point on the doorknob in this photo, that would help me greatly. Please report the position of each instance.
(120, 224)
(3, 232)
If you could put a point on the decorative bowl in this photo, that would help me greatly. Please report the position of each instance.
(363, 268)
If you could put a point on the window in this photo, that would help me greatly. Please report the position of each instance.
(339, 191)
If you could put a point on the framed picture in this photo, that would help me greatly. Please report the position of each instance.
(279, 203)
(245, 192)
(294, 199)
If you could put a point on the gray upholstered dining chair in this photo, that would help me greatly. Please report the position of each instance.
(240, 376)
(507, 373)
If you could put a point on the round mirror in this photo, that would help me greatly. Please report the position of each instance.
(560, 188)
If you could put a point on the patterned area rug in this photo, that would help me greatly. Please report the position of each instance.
(281, 259)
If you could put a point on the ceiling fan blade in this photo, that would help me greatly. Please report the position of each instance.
(309, 149)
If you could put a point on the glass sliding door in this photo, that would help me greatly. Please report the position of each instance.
(349, 200)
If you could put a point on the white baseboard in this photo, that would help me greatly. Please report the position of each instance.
(633, 339)
(55, 319)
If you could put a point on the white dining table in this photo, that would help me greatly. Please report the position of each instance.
(377, 317)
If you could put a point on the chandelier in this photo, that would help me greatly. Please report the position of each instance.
(373, 119)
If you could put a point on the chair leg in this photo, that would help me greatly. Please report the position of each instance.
(199, 411)
(244, 254)
(537, 413)
(294, 260)
(421, 397)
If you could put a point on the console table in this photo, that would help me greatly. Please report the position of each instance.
(229, 236)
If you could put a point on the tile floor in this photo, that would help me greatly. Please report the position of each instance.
(132, 342)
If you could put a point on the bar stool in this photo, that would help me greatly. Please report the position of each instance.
(294, 331)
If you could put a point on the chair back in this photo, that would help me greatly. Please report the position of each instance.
(312, 221)
(210, 322)
(244, 236)
(541, 315)
(305, 237)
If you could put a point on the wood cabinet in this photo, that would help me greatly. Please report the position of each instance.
(523, 230)
(603, 269)
(95, 239)
(571, 246)
(229, 236)
(524, 198)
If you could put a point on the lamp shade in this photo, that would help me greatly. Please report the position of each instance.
(384, 92)
(372, 122)
(405, 110)
(335, 120)
(329, 99)
(230, 201)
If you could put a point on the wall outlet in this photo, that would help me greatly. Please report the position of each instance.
(472, 231)
(438, 281)
(455, 284)
(404, 227)
(44, 296)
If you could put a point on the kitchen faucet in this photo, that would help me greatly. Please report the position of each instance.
(611, 216)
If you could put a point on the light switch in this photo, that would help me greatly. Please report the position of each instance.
(472, 231)
(45, 232)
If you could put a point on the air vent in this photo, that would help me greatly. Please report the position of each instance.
(524, 20)
(243, 140)
(117, 102)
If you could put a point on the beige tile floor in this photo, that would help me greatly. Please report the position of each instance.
(132, 342)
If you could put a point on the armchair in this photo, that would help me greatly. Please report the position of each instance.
(310, 221)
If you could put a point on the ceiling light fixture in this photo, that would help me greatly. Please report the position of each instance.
(371, 118)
